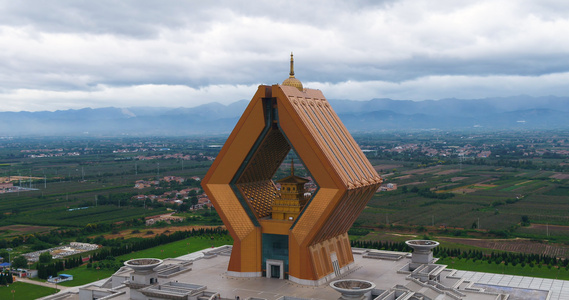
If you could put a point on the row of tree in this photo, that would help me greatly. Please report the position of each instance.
(127, 246)
(6, 278)
(47, 268)
(387, 245)
(496, 257)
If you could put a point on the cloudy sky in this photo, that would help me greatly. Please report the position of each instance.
(75, 54)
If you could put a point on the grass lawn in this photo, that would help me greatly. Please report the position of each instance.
(179, 248)
(83, 275)
(24, 290)
(483, 266)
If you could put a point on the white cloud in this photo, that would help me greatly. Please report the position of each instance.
(103, 53)
(139, 95)
(440, 87)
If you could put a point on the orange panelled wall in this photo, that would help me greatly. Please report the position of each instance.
(246, 236)
(345, 179)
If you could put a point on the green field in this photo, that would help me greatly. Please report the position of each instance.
(179, 248)
(63, 183)
(24, 291)
(443, 194)
(560, 191)
(483, 266)
(496, 208)
(83, 275)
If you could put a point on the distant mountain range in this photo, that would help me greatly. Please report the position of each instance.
(520, 112)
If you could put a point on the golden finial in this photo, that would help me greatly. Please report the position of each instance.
(291, 66)
(291, 81)
(291, 166)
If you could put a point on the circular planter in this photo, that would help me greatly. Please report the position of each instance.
(352, 288)
(143, 264)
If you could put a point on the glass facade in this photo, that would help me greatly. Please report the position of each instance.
(275, 246)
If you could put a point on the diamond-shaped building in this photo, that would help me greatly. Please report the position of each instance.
(277, 234)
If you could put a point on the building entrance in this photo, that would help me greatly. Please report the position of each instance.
(275, 271)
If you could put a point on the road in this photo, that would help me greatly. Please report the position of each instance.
(46, 284)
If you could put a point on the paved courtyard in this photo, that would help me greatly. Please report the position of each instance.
(559, 289)
(211, 271)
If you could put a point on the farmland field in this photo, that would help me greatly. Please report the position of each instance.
(489, 200)
(13, 230)
(442, 188)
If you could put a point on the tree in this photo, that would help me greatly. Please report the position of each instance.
(45, 257)
(525, 220)
(183, 207)
(4, 254)
(193, 200)
(20, 262)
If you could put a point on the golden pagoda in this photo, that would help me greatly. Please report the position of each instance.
(291, 199)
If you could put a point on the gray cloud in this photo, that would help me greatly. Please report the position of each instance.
(64, 54)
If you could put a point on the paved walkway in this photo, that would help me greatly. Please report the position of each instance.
(46, 284)
(559, 289)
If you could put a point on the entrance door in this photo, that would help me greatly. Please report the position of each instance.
(275, 271)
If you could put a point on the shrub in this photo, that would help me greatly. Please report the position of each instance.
(358, 231)
(525, 221)
(497, 203)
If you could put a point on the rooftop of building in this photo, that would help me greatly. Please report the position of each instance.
(205, 273)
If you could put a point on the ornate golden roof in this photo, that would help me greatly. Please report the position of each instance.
(291, 81)
(293, 178)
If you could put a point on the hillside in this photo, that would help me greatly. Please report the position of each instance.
(521, 112)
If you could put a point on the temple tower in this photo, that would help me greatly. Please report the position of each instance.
(291, 198)
(281, 234)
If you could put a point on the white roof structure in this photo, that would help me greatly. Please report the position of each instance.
(203, 275)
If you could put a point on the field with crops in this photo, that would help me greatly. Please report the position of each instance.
(455, 196)
(66, 191)
(484, 198)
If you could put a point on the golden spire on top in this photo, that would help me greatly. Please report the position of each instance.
(291, 66)
(291, 166)
(291, 81)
